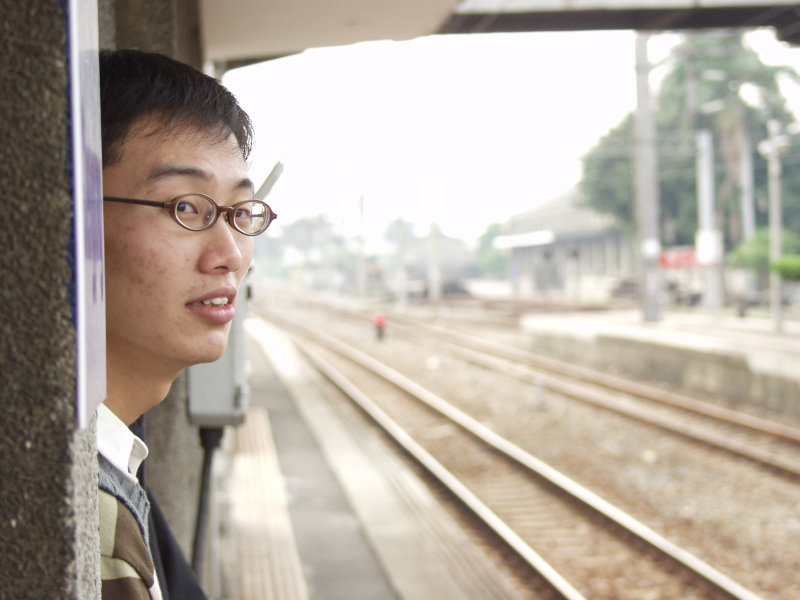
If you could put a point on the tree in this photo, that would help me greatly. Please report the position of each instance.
(608, 175)
(754, 253)
(704, 89)
(396, 228)
(491, 260)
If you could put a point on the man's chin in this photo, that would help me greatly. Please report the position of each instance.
(206, 353)
(210, 356)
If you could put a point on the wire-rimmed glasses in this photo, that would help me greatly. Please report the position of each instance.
(197, 212)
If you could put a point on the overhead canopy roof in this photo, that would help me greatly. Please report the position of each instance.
(252, 30)
(654, 15)
(258, 29)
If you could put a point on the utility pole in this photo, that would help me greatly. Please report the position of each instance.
(646, 185)
(771, 149)
(746, 202)
(361, 267)
(401, 279)
(434, 266)
(708, 242)
(746, 186)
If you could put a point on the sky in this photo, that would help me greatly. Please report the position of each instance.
(461, 131)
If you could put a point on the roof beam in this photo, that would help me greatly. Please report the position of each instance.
(784, 18)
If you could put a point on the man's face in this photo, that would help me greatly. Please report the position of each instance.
(158, 274)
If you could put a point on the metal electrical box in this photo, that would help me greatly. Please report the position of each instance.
(218, 391)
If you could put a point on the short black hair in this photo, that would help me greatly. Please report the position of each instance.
(136, 84)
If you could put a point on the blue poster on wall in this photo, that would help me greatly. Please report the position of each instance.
(87, 190)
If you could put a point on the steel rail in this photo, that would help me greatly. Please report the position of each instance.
(543, 470)
(582, 393)
(647, 392)
(443, 475)
(788, 433)
(491, 354)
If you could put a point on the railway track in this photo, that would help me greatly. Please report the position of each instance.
(582, 545)
(769, 444)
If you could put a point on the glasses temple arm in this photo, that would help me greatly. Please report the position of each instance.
(135, 201)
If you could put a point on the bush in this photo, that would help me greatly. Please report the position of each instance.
(754, 254)
(788, 267)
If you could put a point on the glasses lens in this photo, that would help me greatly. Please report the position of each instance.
(252, 217)
(195, 212)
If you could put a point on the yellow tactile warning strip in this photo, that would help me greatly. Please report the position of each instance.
(270, 565)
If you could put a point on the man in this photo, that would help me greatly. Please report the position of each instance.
(179, 219)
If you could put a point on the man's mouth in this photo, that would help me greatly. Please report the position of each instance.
(220, 301)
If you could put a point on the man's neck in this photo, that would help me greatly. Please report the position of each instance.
(133, 391)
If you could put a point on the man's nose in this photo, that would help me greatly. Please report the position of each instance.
(222, 251)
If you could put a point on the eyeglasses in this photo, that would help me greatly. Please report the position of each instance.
(197, 212)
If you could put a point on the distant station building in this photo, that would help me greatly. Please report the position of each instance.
(565, 252)
(428, 266)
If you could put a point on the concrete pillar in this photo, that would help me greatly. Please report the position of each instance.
(48, 498)
(48, 504)
(611, 256)
(646, 186)
(434, 264)
(169, 27)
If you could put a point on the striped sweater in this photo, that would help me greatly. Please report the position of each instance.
(126, 567)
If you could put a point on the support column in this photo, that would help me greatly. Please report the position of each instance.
(646, 186)
(49, 544)
(772, 148)
(173, 467)
(708, 241)
(434, 265)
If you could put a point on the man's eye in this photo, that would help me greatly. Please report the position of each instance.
(186, 206)
(242, 213)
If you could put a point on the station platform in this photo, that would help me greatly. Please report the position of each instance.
(743, 361)
(324, 510)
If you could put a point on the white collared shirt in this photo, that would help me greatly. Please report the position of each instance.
(118, 444)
